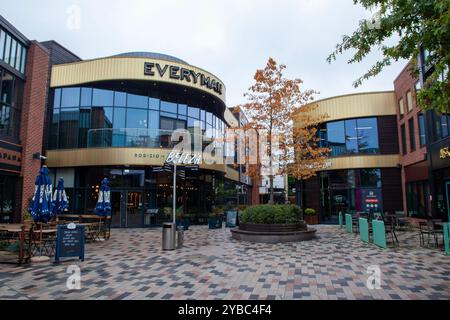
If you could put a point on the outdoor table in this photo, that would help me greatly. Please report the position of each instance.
(19, 231)
(92, 230)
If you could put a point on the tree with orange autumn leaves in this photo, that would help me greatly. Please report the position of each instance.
(274, 104)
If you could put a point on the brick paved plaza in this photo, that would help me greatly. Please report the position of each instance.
(131, 265)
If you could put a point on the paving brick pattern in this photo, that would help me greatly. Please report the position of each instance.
(211, 265)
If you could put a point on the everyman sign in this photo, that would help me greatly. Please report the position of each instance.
(182, 74)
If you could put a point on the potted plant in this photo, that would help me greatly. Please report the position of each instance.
(310, 216)
(215, 218)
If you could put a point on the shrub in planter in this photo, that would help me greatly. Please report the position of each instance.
(310, 216)
(271, 214)
(215, 221)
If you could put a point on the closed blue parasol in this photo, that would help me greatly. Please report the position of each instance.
(103, 207)
(41, 205)
(60, 202)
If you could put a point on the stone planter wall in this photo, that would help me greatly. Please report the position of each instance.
(256, 227)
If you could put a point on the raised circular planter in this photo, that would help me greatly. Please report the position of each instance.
(260, 227)
(273, 233)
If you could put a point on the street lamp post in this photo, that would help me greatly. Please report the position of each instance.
(174, 192)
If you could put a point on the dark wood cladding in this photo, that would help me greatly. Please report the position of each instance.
(392, 189)
(388, 135)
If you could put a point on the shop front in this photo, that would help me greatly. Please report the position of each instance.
(358, 190)
(143, 197)
(440, 153)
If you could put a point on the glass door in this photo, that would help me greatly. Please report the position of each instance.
(116, 208)
(134, 209)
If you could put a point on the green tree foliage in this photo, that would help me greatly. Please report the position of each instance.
(420, 25)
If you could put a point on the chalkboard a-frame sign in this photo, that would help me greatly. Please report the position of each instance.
(70, 242)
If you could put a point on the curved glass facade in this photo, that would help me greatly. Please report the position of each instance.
(98, 117)
(350, 136)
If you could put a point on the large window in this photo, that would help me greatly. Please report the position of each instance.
(409, 101)
(401, 107)
(417, 194)
(442, 128)
(12, 51)
(351, 136)
(97, 117)
(2, 44)
(336, 138)
(412, 136)
(403, 137)
(422, 136)
(8, 196)
(370, 178)
(11, 89)
(351, 191)
(368, 136)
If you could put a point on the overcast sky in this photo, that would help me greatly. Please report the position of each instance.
(230, 38)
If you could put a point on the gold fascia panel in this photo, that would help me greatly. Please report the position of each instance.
(115, 157)
(127, 68)
(363, 162)
(231, 174)
(357, 106)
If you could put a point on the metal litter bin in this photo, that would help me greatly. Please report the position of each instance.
(180, 236)
(168, 236)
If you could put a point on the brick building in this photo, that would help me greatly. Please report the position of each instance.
(24, 78)
(424, 137)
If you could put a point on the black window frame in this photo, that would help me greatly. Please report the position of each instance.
(422, 131)
(412, 135)
(403, 138)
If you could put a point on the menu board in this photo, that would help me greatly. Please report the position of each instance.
(231, 219)
(70, 242)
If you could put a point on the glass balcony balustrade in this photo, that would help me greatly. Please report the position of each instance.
(142, 138)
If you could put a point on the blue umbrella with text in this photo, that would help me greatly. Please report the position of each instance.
(41, 204)
(103, 207)
(60, 202)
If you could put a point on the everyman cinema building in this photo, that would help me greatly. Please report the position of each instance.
(113, 117)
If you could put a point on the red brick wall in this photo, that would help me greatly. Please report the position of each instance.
(33, 115)
(404, 82)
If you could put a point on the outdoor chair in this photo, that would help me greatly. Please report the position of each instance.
(427, 228)
(402, 221)
(355, 222)
(389, 226)
(43, 239)
(438, 231)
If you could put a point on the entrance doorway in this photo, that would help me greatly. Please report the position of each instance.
(127, 209)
